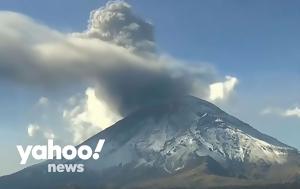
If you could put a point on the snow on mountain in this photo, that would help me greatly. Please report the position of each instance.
(184, 142)
(170, 134)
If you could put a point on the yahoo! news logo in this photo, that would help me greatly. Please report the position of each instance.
(69, 152)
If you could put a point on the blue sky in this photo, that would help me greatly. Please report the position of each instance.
(256, 41)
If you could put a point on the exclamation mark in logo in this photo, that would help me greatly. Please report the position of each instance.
(98, 148)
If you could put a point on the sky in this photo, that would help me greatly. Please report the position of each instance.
(241, 55)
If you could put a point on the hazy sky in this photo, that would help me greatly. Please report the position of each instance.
(255, 42)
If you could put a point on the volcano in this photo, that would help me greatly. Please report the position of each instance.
(177, 143)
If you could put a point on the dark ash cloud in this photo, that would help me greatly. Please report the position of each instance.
(116, 54)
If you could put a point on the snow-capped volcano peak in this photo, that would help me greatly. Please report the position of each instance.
(178, 142)
(171, 134)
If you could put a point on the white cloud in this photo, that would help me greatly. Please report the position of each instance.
(271, 110)
(290, 112)
(33, 129)
(266, 111)
(221, 90)
(40, 133)
(88, 116)
(43, 101)
(49, 134)
(293, 112)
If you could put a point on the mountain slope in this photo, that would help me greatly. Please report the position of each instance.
(179, 142)
(169, 134)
